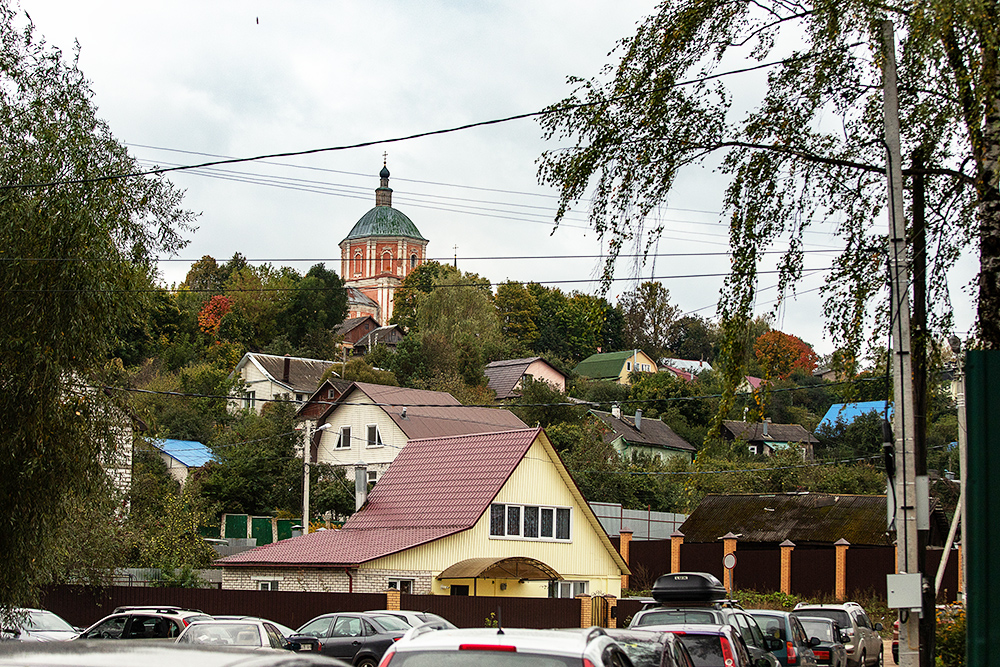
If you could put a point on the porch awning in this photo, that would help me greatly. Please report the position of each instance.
(516, 567)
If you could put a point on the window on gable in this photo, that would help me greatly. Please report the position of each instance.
(530, 522)
(249, 398)
(628, 365)
(344, 441)
(374, 437)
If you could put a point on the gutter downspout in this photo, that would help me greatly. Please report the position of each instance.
(350, 580)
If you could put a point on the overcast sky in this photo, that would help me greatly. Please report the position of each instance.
(181, 81)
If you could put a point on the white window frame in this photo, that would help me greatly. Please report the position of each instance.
(401, 584)
(372, 476)
(628, 366)
(569, 589)
(249, 398)
(510, 534)
(753, 449)
(341, 439)
(378, 437)
(267, 585)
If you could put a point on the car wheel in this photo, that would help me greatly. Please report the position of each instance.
(881, 657)
(863, 660)
(365, 662)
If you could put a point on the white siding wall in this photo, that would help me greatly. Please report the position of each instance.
(358, 417)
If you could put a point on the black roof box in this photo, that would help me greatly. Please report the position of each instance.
(688, 587)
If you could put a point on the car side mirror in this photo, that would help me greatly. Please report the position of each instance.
(814, 641)
(844, 638)
(878, 627)
(772, 643)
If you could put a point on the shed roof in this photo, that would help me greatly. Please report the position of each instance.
(754, 432)
(651, 432)
(430, 414)
(803, 518)
(848, 412)
(191, 453)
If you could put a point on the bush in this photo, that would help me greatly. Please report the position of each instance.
(950, 637)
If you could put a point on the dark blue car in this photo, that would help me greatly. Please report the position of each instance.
(796, 649)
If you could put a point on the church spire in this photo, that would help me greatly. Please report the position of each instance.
(383, 193)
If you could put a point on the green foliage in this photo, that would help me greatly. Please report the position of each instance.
(359, 370)
(599, 391)
(62, 319)
(182, 577)
(649, 318)
(538, 404)
(860, 438)
(950, 639)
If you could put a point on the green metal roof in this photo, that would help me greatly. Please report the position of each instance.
(603, 365)
(384, 221)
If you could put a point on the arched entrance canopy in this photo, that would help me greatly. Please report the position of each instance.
(515, 567)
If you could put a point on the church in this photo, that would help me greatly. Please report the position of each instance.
(378, 253)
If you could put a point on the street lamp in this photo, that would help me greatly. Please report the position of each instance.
(306, 459)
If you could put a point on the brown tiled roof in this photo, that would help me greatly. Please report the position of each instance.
(652, 433)
(504, 374)
(304, 375)
(809, 518)
(754, 432)
(435, 487)
(432, 414)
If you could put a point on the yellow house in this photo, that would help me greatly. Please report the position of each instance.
(615, 366)
(483, 514)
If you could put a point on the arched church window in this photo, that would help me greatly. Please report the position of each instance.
(413, 261)
(386, 261)
(357, 263)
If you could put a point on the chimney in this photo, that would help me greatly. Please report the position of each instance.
(616, 411)
(288, 367)
(360, 484)
(638, 420)
(766, 422)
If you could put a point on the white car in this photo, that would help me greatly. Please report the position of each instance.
(245, 634)
(38, 625)
(415, 618)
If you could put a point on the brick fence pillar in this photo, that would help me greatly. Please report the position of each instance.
(961, 590)
(676, 542)
(624, 540)
(787, 547)
(728, 547)
(586, 615)
(392, 599)
(612, 611)
(840, 592)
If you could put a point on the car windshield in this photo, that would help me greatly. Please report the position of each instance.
(675, 617)
(705, 650)
(772, 626)
(817, 629)
(481, 658)
(46, 621)
(391, 622)
(838, 616)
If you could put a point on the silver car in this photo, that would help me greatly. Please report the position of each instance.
(864, 643)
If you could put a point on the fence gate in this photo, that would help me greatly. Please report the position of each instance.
(600, 611)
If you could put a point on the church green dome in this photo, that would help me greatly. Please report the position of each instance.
(384, 221)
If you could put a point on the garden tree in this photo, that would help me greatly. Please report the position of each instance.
(187, 404)
(780, 354)
(205, 275)
(256, 469)
(693, 337)
(359, 370)
(80, 255)
(165, 518)
(259, 296)
(518, 312)
(859, 438)
(801, 399)
(601, 392)
(330, 490)
(675, 401)
(211, 314)
(420, 281)
(151, 331)
(543, 405)
(570, 326)
(809, 151)
(317, 306)
(649, 317)
(612, 337)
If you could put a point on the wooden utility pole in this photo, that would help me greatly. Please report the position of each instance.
(904, 423)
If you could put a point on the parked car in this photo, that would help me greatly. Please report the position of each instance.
(148, 654)
(864, 645)
(830, 649)
(244, 634)
(415, 618)
(646, 648)
(700, 598)
(895, 641)
(38, 625)
(283, 629)
(357, 638)
(796, 643)
(144, 623)
(506, 647)
(715, 645)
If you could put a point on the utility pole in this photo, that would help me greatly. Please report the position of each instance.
(909, 505)
(307, 448)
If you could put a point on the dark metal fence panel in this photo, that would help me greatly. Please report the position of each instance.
(758, 569)
(814, 571)
(703, 557)
(626, 610)
(475, 611)
(82, 606)
(949, 584)
(648, 560)
(867, 568)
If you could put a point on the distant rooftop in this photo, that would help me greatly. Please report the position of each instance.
(191, 453)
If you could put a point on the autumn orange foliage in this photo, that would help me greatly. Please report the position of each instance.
(212, 313)
(780, 354)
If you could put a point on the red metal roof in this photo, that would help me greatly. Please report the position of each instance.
(434, 488)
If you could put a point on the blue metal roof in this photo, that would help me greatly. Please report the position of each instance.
(191, 453)
(848, 412)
